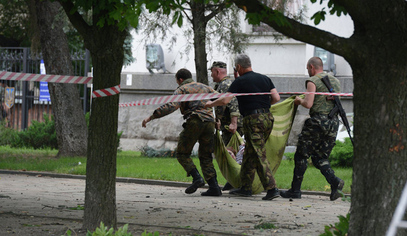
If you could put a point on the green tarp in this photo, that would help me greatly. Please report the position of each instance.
(283, 113)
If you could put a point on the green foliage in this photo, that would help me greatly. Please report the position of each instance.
(265, 225)
(120, 13)
(14, 16)
(342, 154)
(156, 233)
(39, 135)
(340, 229)
(319, 16)
(334, 8)
(7, 135)
(272, 15)
(151, 152)
(79, 207)
(102, 230)
(289, 156)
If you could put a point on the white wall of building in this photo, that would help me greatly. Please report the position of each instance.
(286, 57)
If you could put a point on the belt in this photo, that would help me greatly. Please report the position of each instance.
(256, 111)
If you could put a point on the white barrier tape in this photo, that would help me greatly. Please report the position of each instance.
(4, 75)
(206, 96)
(106, 92)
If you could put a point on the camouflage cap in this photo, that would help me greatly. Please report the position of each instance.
(218, 64)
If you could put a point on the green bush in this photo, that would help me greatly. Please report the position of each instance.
(339, 229)
(38, 135)
(102, 230)
(151, 152)
(7, 135)
(342, 154)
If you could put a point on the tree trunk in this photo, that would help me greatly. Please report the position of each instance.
(380, 107)
(106, 48)
(69, 119)
(199, 28)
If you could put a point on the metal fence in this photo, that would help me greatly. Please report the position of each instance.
(27, 100)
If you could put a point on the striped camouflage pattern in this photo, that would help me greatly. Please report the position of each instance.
(257, 128)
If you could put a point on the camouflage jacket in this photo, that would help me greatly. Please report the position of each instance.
(188, 108)
(224, 113)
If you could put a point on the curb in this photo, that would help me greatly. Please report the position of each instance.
(132, 180)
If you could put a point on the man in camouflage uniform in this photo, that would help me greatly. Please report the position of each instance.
(318, 135)
(257, 125)
(228, 114)
(199, 126)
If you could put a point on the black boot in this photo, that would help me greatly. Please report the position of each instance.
(227, 187)
(197, 182)
(335, 182)
(336, 189)
(290, 194)
(214, 189)
(295, 190)
(271, 194)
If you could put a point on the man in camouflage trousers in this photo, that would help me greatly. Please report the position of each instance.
(318, 135)
(228, 114)
(257, 125)
(199, 126)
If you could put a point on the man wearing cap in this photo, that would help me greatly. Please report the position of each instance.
(257, 124)
(229, 114)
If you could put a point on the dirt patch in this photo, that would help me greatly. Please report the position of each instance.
(32, 205)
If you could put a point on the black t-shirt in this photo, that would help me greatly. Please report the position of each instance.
(252, 82)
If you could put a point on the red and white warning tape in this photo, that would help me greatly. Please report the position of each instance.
(4, 75)
(206, 96)
(106, 92)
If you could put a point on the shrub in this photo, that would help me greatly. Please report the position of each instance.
(38, 135)
(104, 231)
(339, 229)
(151, 152)
(7, 135)
(342, 154)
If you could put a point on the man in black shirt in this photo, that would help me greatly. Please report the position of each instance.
(257, 125)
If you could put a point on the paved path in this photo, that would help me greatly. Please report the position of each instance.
(33, 203)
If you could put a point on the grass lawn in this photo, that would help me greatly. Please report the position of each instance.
(132, 164)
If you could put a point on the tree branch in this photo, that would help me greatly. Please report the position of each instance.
(213, 13)
(76, 19)
(298, 31)
(183, 9)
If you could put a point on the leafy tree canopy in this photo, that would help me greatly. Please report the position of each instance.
(111, 12)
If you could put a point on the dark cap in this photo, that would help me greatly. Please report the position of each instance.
(218, 64)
